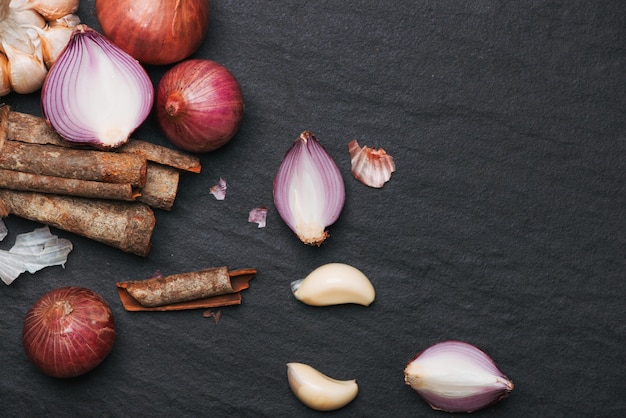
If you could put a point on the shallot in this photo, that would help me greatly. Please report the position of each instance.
(155, 32)
(96, 93)
(455, 376)
(199, 105)
(68, 332)
(309, 192)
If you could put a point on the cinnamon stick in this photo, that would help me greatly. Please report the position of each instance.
(124, 225)
(206, 288)
(161, 186)
(17, 180)
(91, 165)
(161, 155)
(23, 127)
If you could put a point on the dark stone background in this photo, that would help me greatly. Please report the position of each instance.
(503, 226)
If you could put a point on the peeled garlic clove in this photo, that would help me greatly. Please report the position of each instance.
(454, 376)
(371, 167)
(309, 192)
(318, 391)
(334, 284)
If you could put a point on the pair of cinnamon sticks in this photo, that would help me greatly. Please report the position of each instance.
(107, 196)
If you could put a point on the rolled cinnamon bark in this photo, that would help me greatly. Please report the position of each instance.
(211, 287)
(17, 180)
(161, 186)
(124, 225)
(91, 165)
(23, 127)
(161, 155)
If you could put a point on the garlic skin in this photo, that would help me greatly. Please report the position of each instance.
(454, 376)
(334, 284)
(309, 192)
(318, 391)
(32, 252)
(371, 167)
(25, 51)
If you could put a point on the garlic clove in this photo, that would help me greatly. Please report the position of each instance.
(454, 376)
(26, 71)
(309, 192)
(5, 82)
(318, 391)
(334, 284)
(54, 9)
(371, 167)
(55, 37)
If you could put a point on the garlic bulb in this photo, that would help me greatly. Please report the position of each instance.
(318, 391)
(33, 32)
(454, 376)
(309, 192)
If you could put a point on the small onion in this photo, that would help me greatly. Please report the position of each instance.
(155, 32)
(454, 376)
(96, 93)
(309, 192)
(68, 332)
(199, 105)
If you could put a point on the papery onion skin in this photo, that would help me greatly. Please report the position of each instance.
(199, 105)
(68, 332)
(309, 192)
(155, 32)
(455, 376)
(96, 94)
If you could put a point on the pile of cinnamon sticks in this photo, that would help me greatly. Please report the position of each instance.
(107, 196)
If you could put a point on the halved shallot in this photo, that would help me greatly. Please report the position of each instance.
(455, 376)
(96, 93)
(309, 192)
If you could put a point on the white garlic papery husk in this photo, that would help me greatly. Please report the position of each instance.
(25, 55)
(309, 192)
(32, 252)
(370, 166)
(455, 376)
(318, 391)
(334, 284)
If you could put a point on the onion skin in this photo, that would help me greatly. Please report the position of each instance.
(155, 32)
(68, 332)
(199, 105)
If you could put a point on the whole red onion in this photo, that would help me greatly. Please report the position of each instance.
(155, 31)
(68, 331)
(199, 105)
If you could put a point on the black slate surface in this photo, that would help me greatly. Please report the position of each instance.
(503, 226)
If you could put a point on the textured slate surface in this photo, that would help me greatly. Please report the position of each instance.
(504, 225)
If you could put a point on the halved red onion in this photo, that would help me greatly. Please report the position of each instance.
(454, 376)
(96, 93)
(309, 192)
